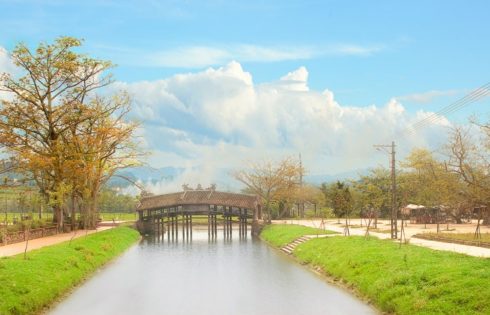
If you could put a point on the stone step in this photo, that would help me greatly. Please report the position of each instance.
(287, 251)
(291, 248)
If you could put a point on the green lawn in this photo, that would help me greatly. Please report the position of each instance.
(406, 280)
(118, 216)
(283, 234)
(27, 286)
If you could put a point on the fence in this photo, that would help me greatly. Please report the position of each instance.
(21, 236)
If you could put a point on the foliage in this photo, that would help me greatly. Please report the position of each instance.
(30, 285)
(339, 198)
(273, 182)
(112, 201)
(372, 191)
(283, 234)
(59, 132)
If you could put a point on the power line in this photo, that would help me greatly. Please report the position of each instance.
(471, 97)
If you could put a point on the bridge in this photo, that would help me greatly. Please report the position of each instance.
(162, 214)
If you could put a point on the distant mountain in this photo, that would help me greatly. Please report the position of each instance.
(222, 178)
(144, 174)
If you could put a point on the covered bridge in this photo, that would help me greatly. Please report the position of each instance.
(162, 213)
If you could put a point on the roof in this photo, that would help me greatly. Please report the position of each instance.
(199, 197)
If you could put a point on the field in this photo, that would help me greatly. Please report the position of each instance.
(119, 216)
(29, 285)
(406, 280)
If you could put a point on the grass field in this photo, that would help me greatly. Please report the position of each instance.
(29, 285)
(406, 280)
(118, 216)
(283, 234)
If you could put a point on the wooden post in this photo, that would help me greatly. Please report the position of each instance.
(224, 221)
(240, 223)
(209, 221)
(168, 226)
(246, 219)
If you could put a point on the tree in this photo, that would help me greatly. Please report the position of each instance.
(101, 145)
(339, 198)
(469, 161)
(56, 127)
(271, 181)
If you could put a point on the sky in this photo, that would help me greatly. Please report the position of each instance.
(218, 84)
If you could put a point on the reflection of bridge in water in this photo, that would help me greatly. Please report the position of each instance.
(169, 213)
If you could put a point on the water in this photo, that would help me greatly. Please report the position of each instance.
(200, 277)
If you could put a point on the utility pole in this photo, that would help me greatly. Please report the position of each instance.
(394, 210)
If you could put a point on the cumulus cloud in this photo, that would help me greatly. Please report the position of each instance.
(5, 62)
(6, 66)
(215, 120)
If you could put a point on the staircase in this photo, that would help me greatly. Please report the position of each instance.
(289, 248)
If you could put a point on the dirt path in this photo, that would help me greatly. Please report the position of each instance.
(18, 248)
(409, 231)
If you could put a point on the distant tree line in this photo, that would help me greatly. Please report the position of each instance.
(455, 179)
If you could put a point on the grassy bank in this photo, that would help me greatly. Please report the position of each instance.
(407, 280)
(27, 286)
(282, 234)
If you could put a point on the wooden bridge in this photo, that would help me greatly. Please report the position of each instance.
(162, 214)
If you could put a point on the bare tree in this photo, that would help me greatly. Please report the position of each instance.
(271, 181)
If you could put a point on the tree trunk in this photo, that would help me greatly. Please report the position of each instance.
(73, 211)
(58, 217)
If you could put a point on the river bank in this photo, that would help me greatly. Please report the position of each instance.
(29, 285)
(406, 280)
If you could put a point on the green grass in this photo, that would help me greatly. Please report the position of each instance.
(118, 216)
(283, 234)
(406, 280)
(29, 285)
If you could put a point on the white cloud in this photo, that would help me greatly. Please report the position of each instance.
(217, 119)
(353, 50)
(6, 66)
(426, 97)
(211, 55)
(202, 56)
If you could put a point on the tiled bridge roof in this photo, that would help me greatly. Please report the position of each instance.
(199, 197)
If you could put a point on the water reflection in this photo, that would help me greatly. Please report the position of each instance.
(207, 276)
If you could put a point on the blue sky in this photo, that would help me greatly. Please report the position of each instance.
(424, 54)
(416, 46)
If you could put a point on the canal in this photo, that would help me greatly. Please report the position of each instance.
(235, 276)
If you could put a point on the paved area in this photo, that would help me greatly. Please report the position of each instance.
(410, 230)
(18, 248)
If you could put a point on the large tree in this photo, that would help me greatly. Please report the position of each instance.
(55, 126)
(271, 181)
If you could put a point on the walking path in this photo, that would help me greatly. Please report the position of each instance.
(18, 248)
(458, 248)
